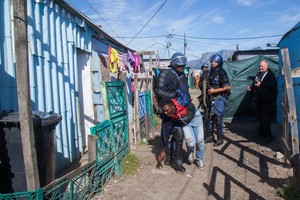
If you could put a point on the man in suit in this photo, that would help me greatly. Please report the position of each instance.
(264, 92)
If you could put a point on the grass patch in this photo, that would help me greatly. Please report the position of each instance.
(130, 164)
(288, 191)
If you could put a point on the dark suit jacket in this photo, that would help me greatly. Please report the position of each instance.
(267, 92)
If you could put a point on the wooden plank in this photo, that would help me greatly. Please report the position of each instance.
(289, 89)
(25, 111)
(296, 72)
(288, 83)
(286, 150)
(136, 112)
(151, 76)
(70, 175)
(146, 52)
(92, 147)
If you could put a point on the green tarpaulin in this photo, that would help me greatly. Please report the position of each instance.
(241, 74)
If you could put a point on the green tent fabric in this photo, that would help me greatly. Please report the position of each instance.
(241, 74)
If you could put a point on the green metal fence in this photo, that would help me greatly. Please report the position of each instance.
(111, 148)
(29, 195)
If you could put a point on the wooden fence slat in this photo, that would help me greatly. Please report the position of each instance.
(290, 115)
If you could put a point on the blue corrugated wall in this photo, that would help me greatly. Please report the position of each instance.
(291, 40)
(8, 87)
(54, 36)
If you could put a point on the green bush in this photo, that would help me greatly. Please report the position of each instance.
(130, 164)
(288, 191)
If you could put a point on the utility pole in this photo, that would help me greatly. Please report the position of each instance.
(25, 111)
(169, 43)
(157, 59)
(184, 44)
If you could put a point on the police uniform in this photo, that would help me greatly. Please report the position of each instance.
(218, 79)
(173, 85)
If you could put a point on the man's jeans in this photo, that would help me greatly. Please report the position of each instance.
(194, 135)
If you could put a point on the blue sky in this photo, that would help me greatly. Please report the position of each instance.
(198, 19)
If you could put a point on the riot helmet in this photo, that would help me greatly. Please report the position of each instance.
(178, 59)
(204, 65)
(217, 58)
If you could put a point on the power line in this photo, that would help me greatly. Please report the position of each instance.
(142, 37)
(212, 44)
(241, 38)
(101, 17)
(178, 50)
(147, 22)
(151, 46)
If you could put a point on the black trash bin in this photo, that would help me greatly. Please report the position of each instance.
(12, 169)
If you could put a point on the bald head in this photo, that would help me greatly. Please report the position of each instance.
(263, 66)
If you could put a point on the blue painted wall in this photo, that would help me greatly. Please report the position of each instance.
(291, 40)
(55, 38)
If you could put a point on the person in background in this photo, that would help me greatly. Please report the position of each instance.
(197, 79)
(192, 127)
(263, 95)
(172, 83)
(203, 86)
(219, 90)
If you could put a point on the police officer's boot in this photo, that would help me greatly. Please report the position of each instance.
(168, 157)
(208, 135)
(178, 162)
(219, 126)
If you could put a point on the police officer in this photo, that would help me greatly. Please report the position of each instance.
(173, 83)
(219, 91)
(203, 86)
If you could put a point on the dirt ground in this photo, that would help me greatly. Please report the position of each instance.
(242, 168)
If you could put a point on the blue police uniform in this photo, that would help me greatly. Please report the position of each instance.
(218, 79)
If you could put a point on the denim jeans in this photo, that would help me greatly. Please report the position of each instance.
(194, 135)
(220, 106)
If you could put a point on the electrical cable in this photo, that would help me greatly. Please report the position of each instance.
(102, 18)
(241, 38)
(147, 22)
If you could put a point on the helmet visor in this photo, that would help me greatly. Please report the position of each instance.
(179, 61)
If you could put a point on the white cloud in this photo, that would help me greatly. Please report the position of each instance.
(218, 19)
(188, 4)
(244, 30)
(286, 18)
(246, 2)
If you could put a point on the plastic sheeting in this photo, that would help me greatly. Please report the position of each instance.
(241, 74)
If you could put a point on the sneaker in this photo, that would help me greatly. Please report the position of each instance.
(199, 164)
(191, 157)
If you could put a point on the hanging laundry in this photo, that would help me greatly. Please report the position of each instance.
(113, 58)
(124, 63)
(136, 63)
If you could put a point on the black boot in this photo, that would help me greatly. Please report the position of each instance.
(178, 162)
(219, 125)
(210, 138)
(168, 158)
(208, 133)
(178, 167)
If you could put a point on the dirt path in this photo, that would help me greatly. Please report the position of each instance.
(242, 168)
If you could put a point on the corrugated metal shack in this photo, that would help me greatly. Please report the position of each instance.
(67, 64)
(291, 41)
